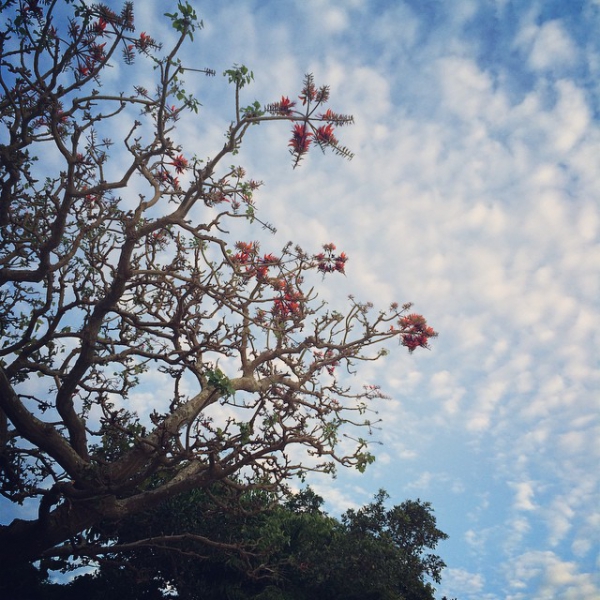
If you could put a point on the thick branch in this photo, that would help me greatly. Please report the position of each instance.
(37, 432)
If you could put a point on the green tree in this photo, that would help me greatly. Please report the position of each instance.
(290, 551)
(115, 264)
(391, 547)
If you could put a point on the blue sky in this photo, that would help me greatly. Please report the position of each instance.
(474, 193)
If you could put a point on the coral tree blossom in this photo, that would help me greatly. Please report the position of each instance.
(324, 135)
(416, 332)
(180, 163)
(328, 261)
(300, 139)
(284, 107)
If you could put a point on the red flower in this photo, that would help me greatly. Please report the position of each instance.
(240, 257)
(416, 331)
(327, 115)
(100, 27)
(327, 262)
(254, 185)
(270, 259)
(285, 307)
(309, 92)
(413, 321)
(73, 29)
(97, 52)
(246, 252)
(289, 302)
(247, 247)
(144, 42)
(325, 135)
(262, 272)
(180, 163)
(220, 197)
(284, 107)
(61, 117)
(300, 139)
(412, 342)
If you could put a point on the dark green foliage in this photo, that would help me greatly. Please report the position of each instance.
(290, 551)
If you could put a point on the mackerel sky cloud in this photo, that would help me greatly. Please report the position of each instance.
(474, 193)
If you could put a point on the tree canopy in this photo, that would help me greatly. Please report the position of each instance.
(116, 265)
(292, 551)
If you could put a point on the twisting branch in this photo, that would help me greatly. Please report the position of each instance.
(104, 292)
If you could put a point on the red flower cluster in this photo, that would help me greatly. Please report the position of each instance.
(328, 261)
(165, 177)
(58, 116)
(83, 69)
(97, 52)
(218, 197)
(300, 139)
(99, 27)
(108, 15)
(415, 331)
(289, 302)
(262, 269)
(247, 255)
(304, 130)
(247, 251)
(330, 366)
(172, 112)
(324, 135)
(180, 163)
(310, 93)
(283, 107)
(145, 41)
(141, 45)
(91, 199)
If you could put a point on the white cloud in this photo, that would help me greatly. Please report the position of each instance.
(337, 499)
(423, 482)
(551, 47)
(524, 494)
(468, 91)
(556, 578)
(477, 540)
(464, 583)
(581, 547)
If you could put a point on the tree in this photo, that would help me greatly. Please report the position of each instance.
(294, 551)
(393, 546)
(115, 265)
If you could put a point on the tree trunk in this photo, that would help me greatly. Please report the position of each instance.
(31, 540)
(26, 541)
